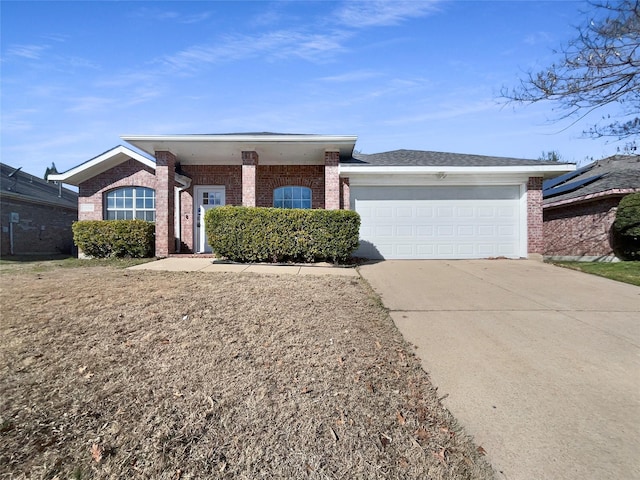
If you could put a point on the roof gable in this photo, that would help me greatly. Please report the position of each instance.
(101, 163)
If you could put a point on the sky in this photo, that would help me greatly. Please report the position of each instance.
(423, 75)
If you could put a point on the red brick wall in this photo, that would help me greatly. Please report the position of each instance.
(535, 233)
(580, 229)
(331, 181)
(249, 164)
(270, 177)
(165, 203)
(128, 174)
(42, 229)
(345, 194)
(229, 176)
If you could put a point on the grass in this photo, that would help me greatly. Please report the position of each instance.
(41, 263)
(112, 373)
(627, 272)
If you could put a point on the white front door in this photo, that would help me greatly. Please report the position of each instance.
(206, 197)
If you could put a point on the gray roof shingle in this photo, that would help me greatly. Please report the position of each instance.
(420, 158)
(29, 187)
(619, 172)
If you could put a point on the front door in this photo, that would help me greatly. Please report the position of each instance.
(206, 197)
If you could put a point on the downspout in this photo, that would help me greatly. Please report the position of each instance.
(11, 237)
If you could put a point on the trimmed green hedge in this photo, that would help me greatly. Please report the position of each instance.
(626, 228)
(115, 238)
(257, 234)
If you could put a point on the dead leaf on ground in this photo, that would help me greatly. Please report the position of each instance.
(401, 419)
(422, 434)
(441, 455)
(96, 452)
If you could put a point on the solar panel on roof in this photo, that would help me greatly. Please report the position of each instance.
(569, 187)
(547, 184)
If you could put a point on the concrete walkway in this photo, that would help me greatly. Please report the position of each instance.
(207, 264)
(540, 364)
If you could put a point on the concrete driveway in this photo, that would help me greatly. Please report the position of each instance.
(540, 364)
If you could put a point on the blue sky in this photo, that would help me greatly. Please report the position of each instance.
(417, 75)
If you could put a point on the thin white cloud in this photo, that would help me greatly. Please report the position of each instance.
(90, 104)
(280, 44)
(348, 77)
(170, 16)
(32, 52)
(445, 112)
(375, 13)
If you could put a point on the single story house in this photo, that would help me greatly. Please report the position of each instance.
(36, 216)
(580, 207)
(413, 204)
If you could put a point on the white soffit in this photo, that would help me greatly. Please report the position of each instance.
(227, 149)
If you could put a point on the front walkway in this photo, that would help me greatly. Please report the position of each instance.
(207, 264)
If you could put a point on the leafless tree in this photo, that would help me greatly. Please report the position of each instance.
(600, 67)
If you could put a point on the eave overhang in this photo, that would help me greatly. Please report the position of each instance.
(544, 171)
(102, 163)
(227, 149)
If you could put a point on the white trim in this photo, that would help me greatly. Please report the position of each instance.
(436, 180)
(199, 232)
(105, 161)
(347, 139)
(531, 170)
(95, 162)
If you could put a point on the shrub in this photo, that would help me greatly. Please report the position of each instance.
(625, 231)
(115, 238)
(250, 234)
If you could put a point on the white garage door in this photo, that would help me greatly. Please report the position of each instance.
(438, 222)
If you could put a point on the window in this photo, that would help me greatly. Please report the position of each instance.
(292, 197)
(131, 203)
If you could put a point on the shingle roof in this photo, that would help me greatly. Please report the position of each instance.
(29, 187)
(420, 158)
(619, 172)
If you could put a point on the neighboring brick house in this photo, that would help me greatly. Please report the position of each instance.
(36, 216)
(413, 204)
(580, 207)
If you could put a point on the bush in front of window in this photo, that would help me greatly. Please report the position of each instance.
(257, 234)
(115, 238)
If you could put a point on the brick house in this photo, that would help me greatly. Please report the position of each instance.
(580, 208)
(36, 216)
(413, 204)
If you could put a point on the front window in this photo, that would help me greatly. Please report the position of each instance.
(292, 197)
(131, 203)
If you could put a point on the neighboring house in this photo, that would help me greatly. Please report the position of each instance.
(580, 207)
(36, 216)
(413, 204)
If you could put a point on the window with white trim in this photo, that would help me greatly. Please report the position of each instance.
(292, 197)
(131, 203)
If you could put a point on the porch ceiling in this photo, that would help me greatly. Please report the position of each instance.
(227, 149)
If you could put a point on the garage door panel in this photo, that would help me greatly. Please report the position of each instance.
(405, 231)
(439, 225)
(424, 230)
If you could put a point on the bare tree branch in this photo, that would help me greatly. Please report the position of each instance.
(598, 68)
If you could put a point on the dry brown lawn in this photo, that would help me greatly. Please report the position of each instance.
(111, 373)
